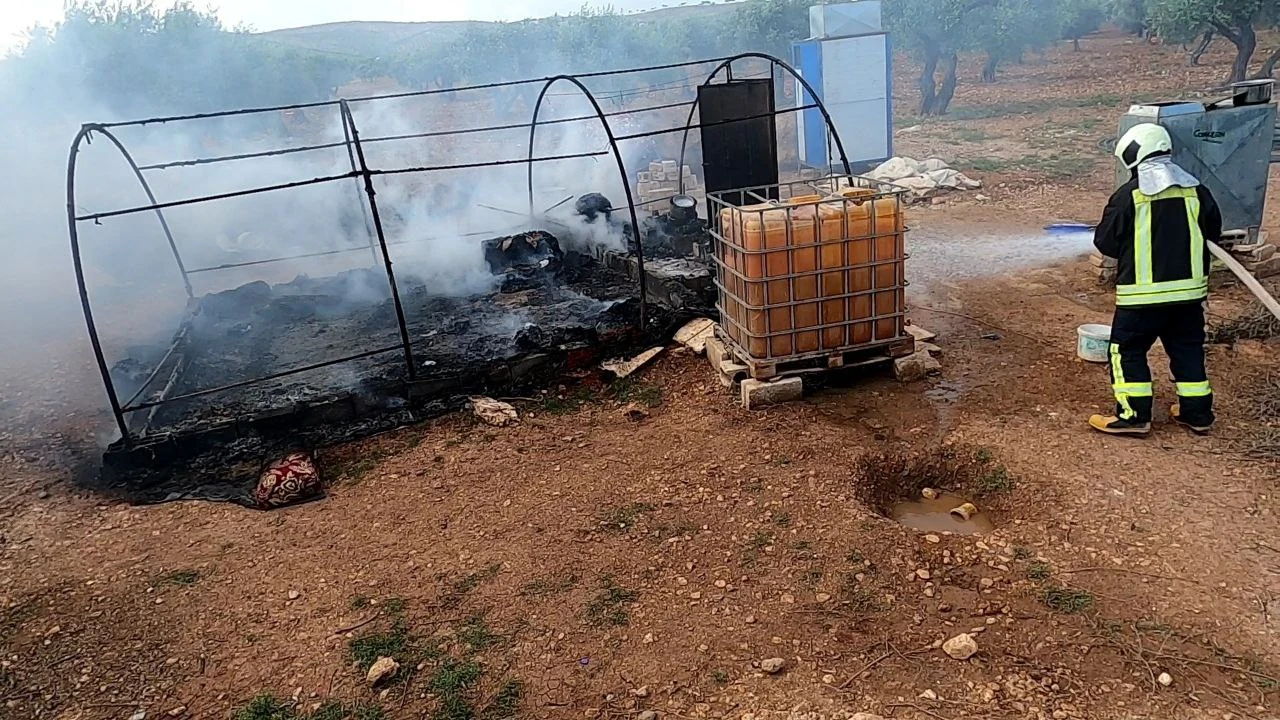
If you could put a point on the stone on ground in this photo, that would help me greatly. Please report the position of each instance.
(773, 666)
(625, 368)
(920, 334)
(696, 333)
(494, 412)
(916, 366)
(960, 647)
(384, 669)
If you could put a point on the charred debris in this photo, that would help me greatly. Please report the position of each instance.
(552, 311)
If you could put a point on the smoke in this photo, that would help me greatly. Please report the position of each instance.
(434, 221)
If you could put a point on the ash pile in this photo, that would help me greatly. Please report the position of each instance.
(551, 311)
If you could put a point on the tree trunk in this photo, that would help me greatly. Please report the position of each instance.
(1246, 42)
(1269, 67)
(989, 69)
(1195, 55)
(949, 82)
(928, 87)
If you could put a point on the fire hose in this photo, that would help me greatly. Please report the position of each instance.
(1245, 277)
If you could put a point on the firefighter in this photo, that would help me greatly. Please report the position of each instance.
(1157, 227)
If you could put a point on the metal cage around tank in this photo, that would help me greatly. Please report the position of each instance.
(810, 269)
(153, 394)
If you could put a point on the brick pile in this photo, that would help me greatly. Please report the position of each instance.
(662, 180)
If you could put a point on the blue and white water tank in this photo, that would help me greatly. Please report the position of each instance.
(848, 60)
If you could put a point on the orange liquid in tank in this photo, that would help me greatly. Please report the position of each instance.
(795, 271)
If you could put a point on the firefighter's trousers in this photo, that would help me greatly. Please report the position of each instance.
(1180, 328)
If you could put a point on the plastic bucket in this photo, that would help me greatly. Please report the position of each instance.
(1093, 343)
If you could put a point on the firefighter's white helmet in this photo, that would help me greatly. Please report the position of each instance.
(1141, 142)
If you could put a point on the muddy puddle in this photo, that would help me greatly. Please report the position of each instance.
(934, 515)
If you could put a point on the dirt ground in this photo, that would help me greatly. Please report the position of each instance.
(588, 563)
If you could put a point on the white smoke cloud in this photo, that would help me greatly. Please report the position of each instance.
(435, 222)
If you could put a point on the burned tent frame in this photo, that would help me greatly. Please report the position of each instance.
(363, 175)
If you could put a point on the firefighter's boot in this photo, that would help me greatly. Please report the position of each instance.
(1197, 425)
(1112, 425)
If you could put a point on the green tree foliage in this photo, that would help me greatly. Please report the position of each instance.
(1081, 18)
(771, 26)
(1236, 20)
(938, 30)
(1129, 15)
(1005, 30)
(136, 58)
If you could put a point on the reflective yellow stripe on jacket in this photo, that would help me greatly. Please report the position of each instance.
(1145, 290)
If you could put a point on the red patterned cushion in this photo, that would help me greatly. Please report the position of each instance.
(291, 479)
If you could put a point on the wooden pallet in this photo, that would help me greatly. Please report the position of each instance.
(851, 358)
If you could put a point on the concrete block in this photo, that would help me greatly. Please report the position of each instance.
(716, 352)
(730, 371)
(915, 367)
(757, 394)
(1264, 269)
(1262, 253)
(1102, 261)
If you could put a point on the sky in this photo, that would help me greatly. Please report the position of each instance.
(16, 16)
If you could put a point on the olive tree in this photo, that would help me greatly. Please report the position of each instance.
(1006, 30)
(1236, 20)
(1129, 15)
(1080, 18)
(936, 30)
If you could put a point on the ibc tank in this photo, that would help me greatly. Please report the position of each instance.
(1227, 146)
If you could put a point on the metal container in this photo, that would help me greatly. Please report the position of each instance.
(683, 208)
(817, 272)
(1228, 148)
(1252, 92)
(845, 19)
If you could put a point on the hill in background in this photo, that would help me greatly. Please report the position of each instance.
(372, 38)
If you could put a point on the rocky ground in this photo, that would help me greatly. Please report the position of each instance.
(698, 560)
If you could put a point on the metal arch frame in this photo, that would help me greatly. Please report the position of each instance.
(84, 136)
(349, 125)
(343, 111)
(361, 170)
(727, 64)
(622, 172)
